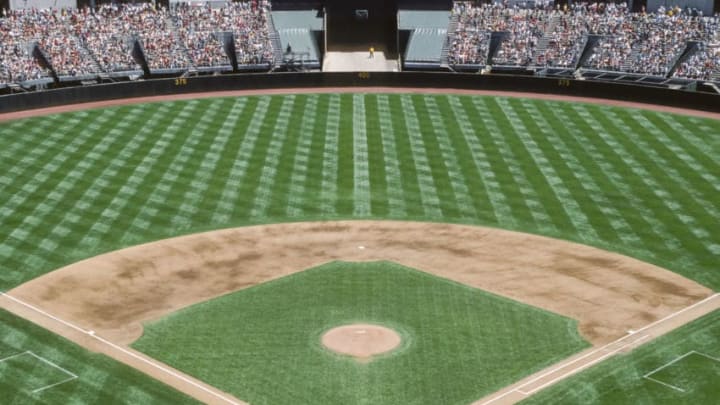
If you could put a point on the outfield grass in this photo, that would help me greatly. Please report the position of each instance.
(262, 344)
(37, 366)
(640, 183)
(679, 359)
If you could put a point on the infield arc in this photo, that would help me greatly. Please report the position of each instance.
(606, 293)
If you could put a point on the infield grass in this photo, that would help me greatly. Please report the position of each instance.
(262, 344)
(39, 367)
(636, 182)
(682, 367)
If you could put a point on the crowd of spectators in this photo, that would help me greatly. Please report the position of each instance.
(16, 63)
(523, 27)
(248, 21)
(543, 35)
(85, 41)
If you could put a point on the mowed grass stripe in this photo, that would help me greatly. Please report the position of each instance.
(408, 169)
(648, 182)
(107, 179)
(157, 177)
(377, 170)
(692, 141)
(253, 117)
(675, 177)
(620, 186)
(268, 176)
(143, 190)
(599, 159)
(429, 193)
(345, 176)
(458, 180)
(663, 178)
(329, 187)
(563, 209)
(221, 197)
(681, 168)
(222, 134)
(629, 179)
(438, 165)
(569, 178)
(457, 132)
(23, 184)
(514, 178)
(605, 216)
(314, 180)
(44, 212)
(394, 193)
(283, 171)
(515, 164)
(262, 146)
(201, 163)
(361, 170)
(302, 156)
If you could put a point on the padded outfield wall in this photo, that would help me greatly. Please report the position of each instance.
(155, 87)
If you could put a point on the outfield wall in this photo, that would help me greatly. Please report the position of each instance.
(248, 81)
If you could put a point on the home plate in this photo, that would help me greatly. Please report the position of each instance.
(361, 247)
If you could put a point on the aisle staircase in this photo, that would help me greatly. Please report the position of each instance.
(445, 54)
(278, 51)
(171, 22)
(627, 63)
(545, 39)
(88, 55)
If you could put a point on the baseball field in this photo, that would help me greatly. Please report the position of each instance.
(223, 236)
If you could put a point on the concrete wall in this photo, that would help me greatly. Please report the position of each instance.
(585, 88)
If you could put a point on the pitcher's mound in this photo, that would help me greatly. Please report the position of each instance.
(361, 341)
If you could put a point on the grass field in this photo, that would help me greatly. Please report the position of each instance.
(636, 182)
(37, 366)
(459, 343)
(682, 367)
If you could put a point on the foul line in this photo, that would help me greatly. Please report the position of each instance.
(518, 389)
(583, 367)
(121, 349)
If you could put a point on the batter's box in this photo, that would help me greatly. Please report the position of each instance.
(692, 373)
(32, 373)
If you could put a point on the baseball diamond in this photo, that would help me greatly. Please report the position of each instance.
(515, 245)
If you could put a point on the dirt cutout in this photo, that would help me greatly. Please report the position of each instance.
(361, 341)
(113, 294)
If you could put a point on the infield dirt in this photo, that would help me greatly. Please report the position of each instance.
(607, 293)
